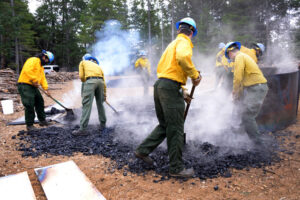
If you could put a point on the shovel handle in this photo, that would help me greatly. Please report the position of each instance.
(41, 89)
(188, 105)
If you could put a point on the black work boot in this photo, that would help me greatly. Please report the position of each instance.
(44, 123)
(185, 173)
(31, 128)
(79, 132)
(103, 128)
(146, 159)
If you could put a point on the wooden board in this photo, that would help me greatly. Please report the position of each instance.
(66, 181)
(16, 187)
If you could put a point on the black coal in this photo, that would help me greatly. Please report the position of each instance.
(209, 161)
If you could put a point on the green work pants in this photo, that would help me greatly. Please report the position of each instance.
(145, 78)
(89, 89)
(32, 101)
(252, 101)
(169, 107)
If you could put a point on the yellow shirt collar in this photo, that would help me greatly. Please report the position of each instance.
(187, 38)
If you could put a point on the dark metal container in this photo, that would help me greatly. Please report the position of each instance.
(279, 109)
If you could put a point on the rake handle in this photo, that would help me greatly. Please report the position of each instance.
(112, 107)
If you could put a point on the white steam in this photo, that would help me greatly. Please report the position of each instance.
(114, 47)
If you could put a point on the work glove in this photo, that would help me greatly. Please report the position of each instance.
(197, 80)
(35, 84)
(186, 97)
(47, 91)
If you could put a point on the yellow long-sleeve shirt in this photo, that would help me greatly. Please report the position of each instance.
(33, 72)
(222, 61)
(176, 62)
(90, 69)
(143, 63)
(246, 72)
(249, 52)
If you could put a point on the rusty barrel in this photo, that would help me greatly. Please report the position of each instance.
(280, 106)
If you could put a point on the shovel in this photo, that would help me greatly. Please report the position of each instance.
(70, 113)
(187, 109)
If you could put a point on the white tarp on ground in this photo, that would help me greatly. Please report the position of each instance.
(16, 187)
(66, 181)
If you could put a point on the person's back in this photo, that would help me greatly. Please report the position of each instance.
(88, 68)
(249, 52)
(93, 85)
(176, 63)
(246, 71)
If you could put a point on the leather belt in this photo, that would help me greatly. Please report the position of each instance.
(94, 77)
(170, 81)
(24, 84)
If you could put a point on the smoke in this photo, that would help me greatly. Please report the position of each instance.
(114, 47)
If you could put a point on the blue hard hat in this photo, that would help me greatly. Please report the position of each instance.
(229, 44)
(261, 46)
(188, 21)
(143, 53)
(87, 55)
(95, 59)
(221, 45)
(49, 55)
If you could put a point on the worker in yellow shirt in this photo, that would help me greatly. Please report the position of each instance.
(32, 75)
(93, 85)
(249, 86)
(255, 53)
(173, 69)
(223, 69)
(142, 65)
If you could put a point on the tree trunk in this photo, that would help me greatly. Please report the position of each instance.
(149, 29)
(172, 19)
(149, 24)
(16, 40)
(2, 63)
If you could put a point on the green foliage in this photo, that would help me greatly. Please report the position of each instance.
(67, 27)
(11, 27)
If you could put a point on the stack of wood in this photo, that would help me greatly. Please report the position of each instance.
(8, 88)
(8, 85)
(56, 77)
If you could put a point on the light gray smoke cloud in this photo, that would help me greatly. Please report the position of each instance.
(114, 47)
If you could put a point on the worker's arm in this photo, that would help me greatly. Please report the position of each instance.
(148, 67)
(105, 94)
(81, 72)
(44, 82)
(238, 75)
(219, 58)
(184, 58)
(137, 63)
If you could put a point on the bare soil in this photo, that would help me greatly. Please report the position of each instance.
(280, 181)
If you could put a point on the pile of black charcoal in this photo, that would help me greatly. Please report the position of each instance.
(209, 161)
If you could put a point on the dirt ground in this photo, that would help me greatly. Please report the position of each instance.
(279, 182)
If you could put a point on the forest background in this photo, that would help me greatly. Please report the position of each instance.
(68, 27)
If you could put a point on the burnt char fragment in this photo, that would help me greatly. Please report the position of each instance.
(208, 161)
